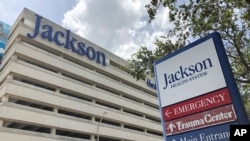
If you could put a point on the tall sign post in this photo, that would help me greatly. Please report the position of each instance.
(198, 95)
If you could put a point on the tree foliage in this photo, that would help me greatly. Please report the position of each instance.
(141, 62)
(197, 18)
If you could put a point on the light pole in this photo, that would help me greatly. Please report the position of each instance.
(98, 126)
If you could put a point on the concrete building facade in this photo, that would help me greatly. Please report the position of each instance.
(58, 86)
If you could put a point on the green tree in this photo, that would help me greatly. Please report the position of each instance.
(141, 62)
(197, 18)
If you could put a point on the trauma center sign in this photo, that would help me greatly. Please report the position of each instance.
(197, 92)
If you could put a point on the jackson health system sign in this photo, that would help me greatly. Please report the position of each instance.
(198, 95)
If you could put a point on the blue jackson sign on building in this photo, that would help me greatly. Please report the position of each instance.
(68, 42)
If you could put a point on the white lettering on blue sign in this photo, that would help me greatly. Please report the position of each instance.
(205, 137)
(151, 83)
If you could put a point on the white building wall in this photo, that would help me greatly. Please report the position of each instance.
(49, 93)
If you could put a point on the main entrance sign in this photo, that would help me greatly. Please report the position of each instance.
(65, 39)
(197, 92)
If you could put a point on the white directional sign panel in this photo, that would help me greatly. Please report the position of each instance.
(197, 92)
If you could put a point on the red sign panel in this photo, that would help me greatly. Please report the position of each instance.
(198, 104)
(204, 119)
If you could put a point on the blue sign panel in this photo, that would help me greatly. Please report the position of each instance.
(4, 31)
(197, 92)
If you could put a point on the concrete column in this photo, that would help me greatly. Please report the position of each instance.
(93, 119)
(5, 98)
(92, 137)
(1, 123)
(10, 76)
(14, 57)
(57, 90)
(59, 72)
(122, 125)
(55, 110)
(53, 131)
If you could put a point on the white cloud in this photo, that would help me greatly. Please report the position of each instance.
(161, 21)
(118, 26)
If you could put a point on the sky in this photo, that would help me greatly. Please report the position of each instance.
(119, 26)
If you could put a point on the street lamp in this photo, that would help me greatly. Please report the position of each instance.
(98, 126)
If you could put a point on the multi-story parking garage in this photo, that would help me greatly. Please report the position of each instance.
(58, 86)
